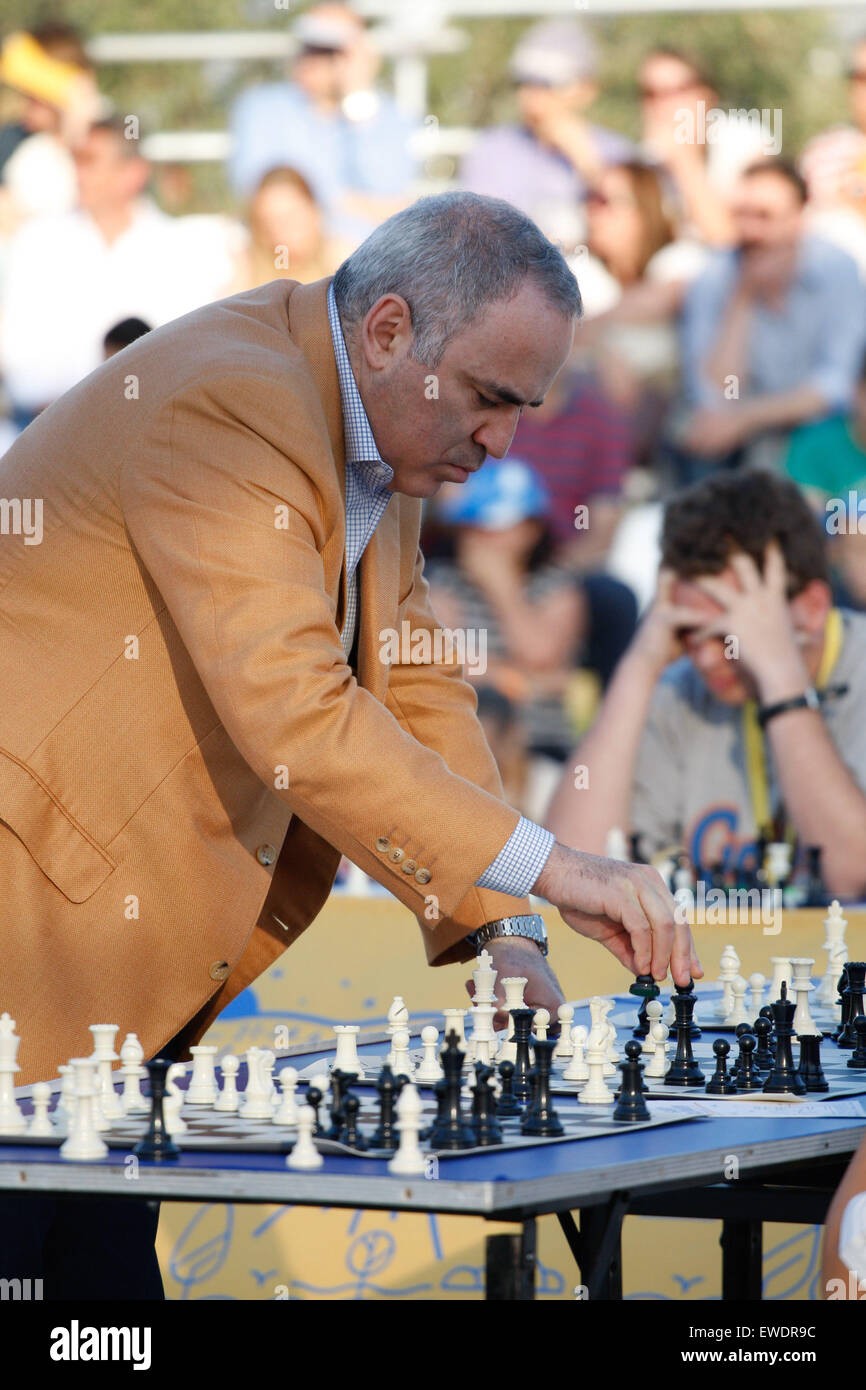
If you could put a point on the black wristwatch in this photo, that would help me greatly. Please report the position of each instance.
(810, 699)
(530, 926)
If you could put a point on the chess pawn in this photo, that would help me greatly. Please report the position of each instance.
(408, 1161)
(738, 1013)
(595, 1092)
(577, 1069)
(174, 1098)
(132, 1071)
(401, 1063)
(730, 969)
(346, 1058)
(540, 1024)
(429, 1070)
(227, 1101)
(41, 1124)
(654, 1010)
(658, 1062)
(565, 1016)
(304, 1153)
(757, 984)
(287, 1111)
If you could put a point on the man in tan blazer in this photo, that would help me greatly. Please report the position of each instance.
(214, 531)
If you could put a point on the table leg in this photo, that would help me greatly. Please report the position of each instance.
(510, 1260)
(742, 1261)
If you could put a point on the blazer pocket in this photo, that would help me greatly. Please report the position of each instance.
(65, 853)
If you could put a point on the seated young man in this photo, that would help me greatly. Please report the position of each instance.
(740, 703)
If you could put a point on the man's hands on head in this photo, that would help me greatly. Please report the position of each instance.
(657, 640)
(518, 956)
(625, 907)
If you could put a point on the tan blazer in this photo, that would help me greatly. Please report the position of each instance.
(184, 751)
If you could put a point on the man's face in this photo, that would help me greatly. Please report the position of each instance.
(667, 86)
(539, 102)
(437, 425)
(724, 678)
(105, 177)
(767, 213)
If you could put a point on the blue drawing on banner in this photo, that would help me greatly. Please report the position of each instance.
(369, 1254)
(791, 1264)
(261, 1275)
(463, 1279)
(271, 1220)
(369, 1004)
(202, 1247)
(345, 984)
(686, 1284)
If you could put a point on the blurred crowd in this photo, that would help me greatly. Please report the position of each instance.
(724, 312)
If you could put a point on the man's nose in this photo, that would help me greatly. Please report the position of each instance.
(496, 434)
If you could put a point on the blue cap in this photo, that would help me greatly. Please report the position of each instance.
(501, 494)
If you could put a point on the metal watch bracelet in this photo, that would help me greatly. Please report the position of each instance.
(530, 926)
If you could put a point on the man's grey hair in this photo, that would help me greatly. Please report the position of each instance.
(449, 257)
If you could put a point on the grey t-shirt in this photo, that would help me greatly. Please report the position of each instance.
(691, 785)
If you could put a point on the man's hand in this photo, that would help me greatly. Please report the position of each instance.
(712, 432)
(518, 956)
(626, 907)
(657, 639)
(758, 615)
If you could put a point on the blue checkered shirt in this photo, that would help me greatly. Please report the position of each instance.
(368, 478)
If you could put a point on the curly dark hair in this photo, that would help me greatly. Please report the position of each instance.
(743, 509)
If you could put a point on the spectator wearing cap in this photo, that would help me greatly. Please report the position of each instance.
(501, 581)
(546, 161)
(331, 123)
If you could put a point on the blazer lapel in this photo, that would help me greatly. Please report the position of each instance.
(379, 572)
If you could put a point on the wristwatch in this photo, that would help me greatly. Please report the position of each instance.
(810, 699)
(530, 926)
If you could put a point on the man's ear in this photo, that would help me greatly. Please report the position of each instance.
(386, 331)
(810, 607)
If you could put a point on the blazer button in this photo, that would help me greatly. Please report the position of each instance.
(266, 854)
(397, 855)
(409, 866)
(219, 970)
(383, 844)
(423, 875)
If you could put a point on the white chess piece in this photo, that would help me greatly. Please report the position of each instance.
(739, 1013)
(565, 1017)
(484, 978)
(540, 1024)
(577, 1069)
(778, 862)
(513, 985)
(203, 1089)
(304, 1152)
(401, 1064)
(611, 1056)
(757, 985)
(657, 1065)
(837, 954)
(454, 1024)
(801, 988)
(131, 1057)
(398, 1016)
(429, 1069)
(781, 971)
(730, 969)
(103, 1056)
(11, 1118)
(66, 1099)
(483, 1041)
(256, 1104)
(83, 1142)
(346, 1058)
(654, 1011)
(616, 845)
(287, 1111)
(408, 1161)
(595, 1092)
(227, 1101)
(598, 1011)
(174, 1099)
(41, 1123)
(267, 1062)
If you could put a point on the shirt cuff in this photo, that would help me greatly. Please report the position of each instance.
(521, 859)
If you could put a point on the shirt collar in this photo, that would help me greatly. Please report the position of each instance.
(361, 451)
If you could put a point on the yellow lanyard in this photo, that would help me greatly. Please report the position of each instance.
(753, 737)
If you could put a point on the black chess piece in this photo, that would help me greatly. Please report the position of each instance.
(645, 989)
(783, 1079)
(384, 1136)
(810, 1068)
(522, 1055)
(157, 1145)
(816, 893)
(857, 1062)
(720, 1083)
(747, 1079)
(351, 1136)
(450, 1130)
(541, 1117)
(508, 1103)
(684, 1070)
(767, 1013)
(842, 1003)
(855, 1005)
(763, 1029)
(631, 1106)
(484, 1109)
(739, 1033)
(313, 1098)
(694, 1030)
(340, 1082)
